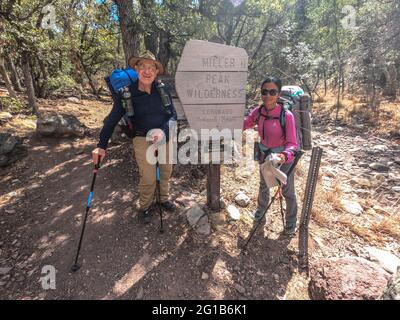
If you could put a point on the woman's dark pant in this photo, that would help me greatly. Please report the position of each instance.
(288, 192)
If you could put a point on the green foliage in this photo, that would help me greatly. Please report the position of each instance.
(12, 105)
(61, 82)
(305, 42)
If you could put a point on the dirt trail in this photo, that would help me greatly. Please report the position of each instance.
(43, 199)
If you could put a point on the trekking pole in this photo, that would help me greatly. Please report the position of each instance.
(76, 267)
(296, 160)
(281, 204)
(158, 193)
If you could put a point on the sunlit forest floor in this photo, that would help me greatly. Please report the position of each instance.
(43, 198)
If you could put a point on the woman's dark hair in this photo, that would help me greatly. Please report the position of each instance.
(275, 80)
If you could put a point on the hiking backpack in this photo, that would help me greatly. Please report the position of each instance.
(118, 83)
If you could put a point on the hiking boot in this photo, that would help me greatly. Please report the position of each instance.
(290, 229)
(145, 215)
(257, 215)
(168, 205)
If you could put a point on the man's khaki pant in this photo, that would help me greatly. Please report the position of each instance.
(147, 172)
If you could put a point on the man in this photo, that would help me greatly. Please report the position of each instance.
(152, 119)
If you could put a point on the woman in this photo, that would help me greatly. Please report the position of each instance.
(275, 140)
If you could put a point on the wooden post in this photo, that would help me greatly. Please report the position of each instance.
(213, 186)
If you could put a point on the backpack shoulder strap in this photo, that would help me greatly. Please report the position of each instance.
(282, 116)
(258, 115)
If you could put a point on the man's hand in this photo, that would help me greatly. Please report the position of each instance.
(96, 153)
(156, 135)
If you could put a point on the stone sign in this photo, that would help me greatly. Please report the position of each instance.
(211, 85)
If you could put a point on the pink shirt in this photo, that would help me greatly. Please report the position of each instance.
(271, 132)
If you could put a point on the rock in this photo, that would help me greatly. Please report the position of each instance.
(379, 167)
(385, 259)
(329, 172)
(348, 278)
(325, 143)
(397, 161)
(11, 149)
(380, 210)
(332, 154)
(352, 207)
(362, 192)
(203, 226)
(361, 182)
(380, 148)
(60, 125)
(233, 212)
(4, 117)
(204, 276)
(4, 271)
(392, 291)
(336, 160)
(10, 211)
(363, 165)
(74, 100)
(139, 295)
(239, 288)
(380, 177)
(194, 214)
(79, 151)
(242, 199)
(222, 204)
(218, 219)
(396, 189)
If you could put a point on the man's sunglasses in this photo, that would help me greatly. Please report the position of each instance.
(272, 92)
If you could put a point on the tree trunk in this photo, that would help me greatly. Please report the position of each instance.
(91, 83)
(391, 81)
(14, 74)
(29, 84)
(119, 45)
(6, 79)
(43, 87)
(130, 38)
(339, 59)
(301, 17)
(151, 42)
(164, 51)
(60, 63)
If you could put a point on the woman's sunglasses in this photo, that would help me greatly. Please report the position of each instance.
(272, 92)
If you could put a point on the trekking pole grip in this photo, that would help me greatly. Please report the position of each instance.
(97, 165)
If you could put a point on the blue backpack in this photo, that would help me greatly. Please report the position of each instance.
(116, 82)
(120, 78)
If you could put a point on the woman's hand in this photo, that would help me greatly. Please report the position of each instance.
(96, 153)
(282, 157)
